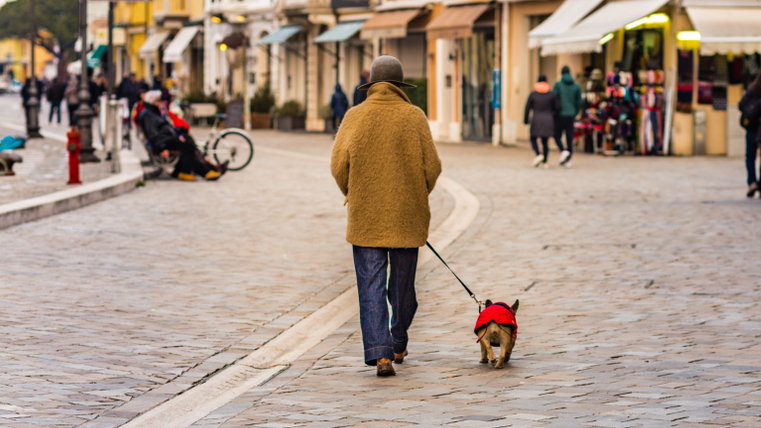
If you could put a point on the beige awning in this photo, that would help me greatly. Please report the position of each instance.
(180, 43)
(389, 25)
(456, 22)
(152, 44)
(585, 36)
(727, 29)
(566, 16)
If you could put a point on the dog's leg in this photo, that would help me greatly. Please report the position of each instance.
(489, 350)
(502, 353)
(484, 358)
(504, 348)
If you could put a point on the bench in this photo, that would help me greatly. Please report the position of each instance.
(7, 159)
(202, 111)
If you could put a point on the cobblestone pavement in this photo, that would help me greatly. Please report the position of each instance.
(171, 282)
(45, 166)
(637, 279)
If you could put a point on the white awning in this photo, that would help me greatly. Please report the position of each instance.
(585, 36)
(566, 16)
(175, 50)
(727, 29)
(152, 44)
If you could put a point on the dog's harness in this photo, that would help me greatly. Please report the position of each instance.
(501, 314)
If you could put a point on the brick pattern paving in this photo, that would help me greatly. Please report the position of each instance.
(637, 279)
(45, 166)
(108, 311)
(638, 282)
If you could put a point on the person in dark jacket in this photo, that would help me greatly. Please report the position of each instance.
(750, 107)
(541, 107)
(163, 137)
(569, 97)
(55, 97)
(360, 95)
(339, 104)
(25, 95)
(129, 90)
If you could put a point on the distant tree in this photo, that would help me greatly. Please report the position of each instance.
(57, 26)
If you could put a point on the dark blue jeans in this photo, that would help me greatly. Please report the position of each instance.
(381, 339)
(751, 147)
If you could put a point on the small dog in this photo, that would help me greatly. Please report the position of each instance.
(497, 326)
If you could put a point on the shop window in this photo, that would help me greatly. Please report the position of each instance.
(685, 87)
(643, 49)
(751, 67)
(706, 72)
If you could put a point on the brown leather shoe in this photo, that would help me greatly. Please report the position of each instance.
(385, 368)
(399, 358)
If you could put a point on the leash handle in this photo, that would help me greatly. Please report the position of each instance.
(473, 296)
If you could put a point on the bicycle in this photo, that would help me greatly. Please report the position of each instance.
(232, 144)
(229, 144)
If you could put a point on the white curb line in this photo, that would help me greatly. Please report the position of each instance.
(273, 357)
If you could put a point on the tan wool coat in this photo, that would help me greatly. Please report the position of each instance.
(385, 163)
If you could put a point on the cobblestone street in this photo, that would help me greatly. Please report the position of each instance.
(638, 280)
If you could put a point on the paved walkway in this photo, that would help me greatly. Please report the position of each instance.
(637, 279)
(45, 166)
(637, 283)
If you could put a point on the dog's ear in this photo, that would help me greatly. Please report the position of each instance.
(487, 303)
(515, 305)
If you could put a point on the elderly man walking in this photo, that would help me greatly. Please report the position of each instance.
(385, 163)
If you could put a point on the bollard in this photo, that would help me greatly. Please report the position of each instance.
(73, 146)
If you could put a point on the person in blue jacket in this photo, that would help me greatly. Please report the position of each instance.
(339, 103)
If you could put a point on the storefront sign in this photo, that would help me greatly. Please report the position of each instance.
(496, 88)
(338, 4)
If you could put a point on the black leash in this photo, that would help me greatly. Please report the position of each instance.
(473, 296)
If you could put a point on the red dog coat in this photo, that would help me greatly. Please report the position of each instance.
(501, 314)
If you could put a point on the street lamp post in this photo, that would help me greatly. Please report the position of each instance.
(85, 112)
(33, 102)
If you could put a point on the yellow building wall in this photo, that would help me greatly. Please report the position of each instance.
(18, 51)
(133, 16)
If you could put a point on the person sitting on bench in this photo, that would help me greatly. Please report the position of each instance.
(163, 138)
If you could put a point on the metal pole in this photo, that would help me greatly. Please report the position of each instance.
(246, 88)
(111, 67)
(85, 111)
(110, 116)
(338, 59)
(33, 102)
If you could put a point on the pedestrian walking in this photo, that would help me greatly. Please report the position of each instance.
(541, 107)
(750, 119)
(339, 104)
(359, 94)
(26, 93)
(128, 89)
(394, 166)
(72, 100)
(55, 95)
(569, 97)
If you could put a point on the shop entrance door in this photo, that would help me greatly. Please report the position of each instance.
(477, 66)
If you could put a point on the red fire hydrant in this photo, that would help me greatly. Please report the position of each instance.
(73, 146)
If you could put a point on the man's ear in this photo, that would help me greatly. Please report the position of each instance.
(515, 305)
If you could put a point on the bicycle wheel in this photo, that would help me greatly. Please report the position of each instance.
(233, 146)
